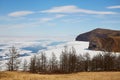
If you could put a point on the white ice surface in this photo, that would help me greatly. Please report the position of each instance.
(81, 47)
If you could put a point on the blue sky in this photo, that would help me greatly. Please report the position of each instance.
(57, 17)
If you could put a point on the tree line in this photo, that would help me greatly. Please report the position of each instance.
(68, 62)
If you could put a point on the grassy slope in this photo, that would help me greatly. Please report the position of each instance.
(75, 76)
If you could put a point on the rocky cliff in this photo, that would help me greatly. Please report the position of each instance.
(102, 39)
(105, 44)
(97, 33)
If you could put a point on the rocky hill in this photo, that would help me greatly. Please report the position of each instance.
(97, 33)
(102, 39)
(105, 44)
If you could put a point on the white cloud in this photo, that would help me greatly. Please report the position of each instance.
(8, 18)
(20, 13)
(21, 25)
(75, 20)
(74, 9)
(113, 7)
(60, 15)
(42, 20)
(111, 21)
(45, 19)
(33, 23)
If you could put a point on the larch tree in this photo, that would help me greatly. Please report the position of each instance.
(25, 65)
(53, 64)
(13, 62)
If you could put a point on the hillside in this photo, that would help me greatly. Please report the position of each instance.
(102, 39)
(97, 33)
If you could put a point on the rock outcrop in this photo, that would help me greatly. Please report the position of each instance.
(102, 39)
(105, 44)
(97, 33)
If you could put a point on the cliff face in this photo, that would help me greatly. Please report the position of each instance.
(102, 39)
(105, 44)
(97, 33)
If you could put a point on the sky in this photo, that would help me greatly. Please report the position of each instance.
(57, 17)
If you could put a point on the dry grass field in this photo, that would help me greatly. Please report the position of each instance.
(74, 76)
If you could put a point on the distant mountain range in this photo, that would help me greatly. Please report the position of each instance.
(102, 39)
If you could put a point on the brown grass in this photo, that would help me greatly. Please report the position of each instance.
(74, 76)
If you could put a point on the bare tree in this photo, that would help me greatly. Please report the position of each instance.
(108, 61)
(13, 62)
(43, 62)
(72, 60)
(117, 63)
(87, 62)
(33, 64)
(25, 66)
(97, 62)
(80, 63)
(53, 64)
(64, 59)
(38, 62)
